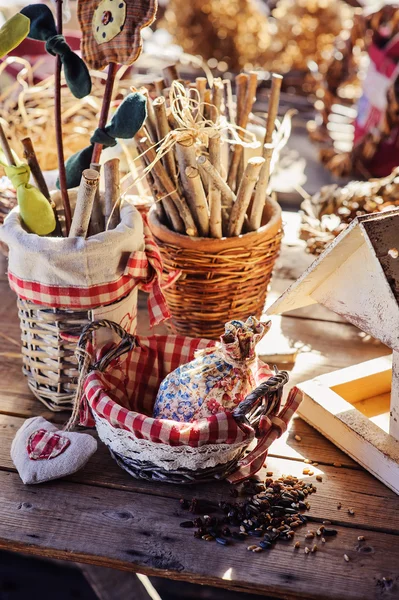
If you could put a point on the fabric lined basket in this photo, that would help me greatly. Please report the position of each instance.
(118, 399)
(63, 284)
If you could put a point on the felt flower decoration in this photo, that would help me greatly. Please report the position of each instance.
(111, 30)
(13, 32)
(34, 208)
(43, 28)
(125, 123)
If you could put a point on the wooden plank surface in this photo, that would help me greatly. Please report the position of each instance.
(121, 530)
(103, 516)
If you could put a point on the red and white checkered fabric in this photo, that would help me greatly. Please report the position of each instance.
(143, 270)
(44, 445)
(272, 428)
(125, 393)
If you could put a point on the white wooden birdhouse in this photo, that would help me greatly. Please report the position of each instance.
(357, 277)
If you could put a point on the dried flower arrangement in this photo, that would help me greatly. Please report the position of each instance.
(331, 210)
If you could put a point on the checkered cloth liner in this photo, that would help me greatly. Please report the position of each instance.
(143, 269)
(44, 445)
(125, 47)
(137, 376)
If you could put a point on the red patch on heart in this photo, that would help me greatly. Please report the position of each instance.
(44, 445)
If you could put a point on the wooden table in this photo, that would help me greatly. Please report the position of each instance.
(104, 517)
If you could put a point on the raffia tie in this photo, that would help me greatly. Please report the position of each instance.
(193, 128)
(84, 361)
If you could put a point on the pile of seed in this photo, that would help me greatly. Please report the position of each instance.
(271, 511)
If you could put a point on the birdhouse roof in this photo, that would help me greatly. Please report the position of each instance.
(357, 276)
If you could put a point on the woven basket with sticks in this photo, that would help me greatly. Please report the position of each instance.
(213, 218)
(221, 279)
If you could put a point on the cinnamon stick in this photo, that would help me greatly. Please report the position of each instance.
(244, 194)
(170, 74)
(163, 129)
(84, 203)
(112, 193)
(244, 108)
(255, 219)
(227, 195)
(177, 210)
(214, 194)
(151, 121)
(192, 184)
(273, 107)
(159, 85)
(201, 83)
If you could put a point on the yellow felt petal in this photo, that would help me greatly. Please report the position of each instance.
(109, 18)
(36, 211)
(13, 32)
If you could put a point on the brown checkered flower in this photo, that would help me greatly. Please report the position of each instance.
(111, 30)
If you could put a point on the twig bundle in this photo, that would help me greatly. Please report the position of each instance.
(183, 163)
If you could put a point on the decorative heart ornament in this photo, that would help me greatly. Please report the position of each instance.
(41, 452)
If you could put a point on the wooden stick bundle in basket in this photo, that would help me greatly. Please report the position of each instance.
(200, 195)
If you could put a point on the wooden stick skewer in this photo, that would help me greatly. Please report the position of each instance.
(37, 174)
(6, 147)
(58, 128)
(273, 107)
(112, 193)
(109, 85)
(84, 203)
(97, 223)
(244, 194)
(255, 219)
(243, 112)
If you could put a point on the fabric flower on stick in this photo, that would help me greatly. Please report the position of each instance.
(13, 32)
(111, 35)
(43, 27)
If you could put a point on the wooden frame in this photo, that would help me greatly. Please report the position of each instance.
(350, 407)
(357, 277)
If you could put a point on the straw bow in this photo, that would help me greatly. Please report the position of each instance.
(43, 28)
(126, 121)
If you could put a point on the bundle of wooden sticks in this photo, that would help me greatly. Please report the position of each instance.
(182, 148)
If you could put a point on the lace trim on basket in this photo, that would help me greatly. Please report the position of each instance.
(170, 458)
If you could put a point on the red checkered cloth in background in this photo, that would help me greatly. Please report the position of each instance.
(124, 395)
(143, 269)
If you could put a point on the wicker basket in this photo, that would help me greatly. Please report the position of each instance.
(107, 392)
(50, 329)
(49, 337)
(221, 279)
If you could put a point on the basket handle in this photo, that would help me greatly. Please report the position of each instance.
(263, 401)
(128, 342)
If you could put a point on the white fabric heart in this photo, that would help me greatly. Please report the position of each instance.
(40, 456)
